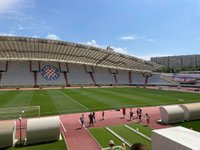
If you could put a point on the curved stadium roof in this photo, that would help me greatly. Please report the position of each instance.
(25, 48)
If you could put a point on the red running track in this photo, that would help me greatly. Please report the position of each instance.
(80, 139)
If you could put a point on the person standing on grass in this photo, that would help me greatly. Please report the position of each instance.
(131, 114)
(148, 119)
(124, 111)
(82, 120)
(103, 113)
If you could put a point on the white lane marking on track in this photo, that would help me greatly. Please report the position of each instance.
(63, 126)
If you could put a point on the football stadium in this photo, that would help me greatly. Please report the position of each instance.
(49, 86)
(99, 75)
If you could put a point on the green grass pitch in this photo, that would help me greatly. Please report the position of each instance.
(63, 101)
(103, 136)
(59, 145)
(53, 102)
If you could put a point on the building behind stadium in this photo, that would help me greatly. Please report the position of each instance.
(181, 61)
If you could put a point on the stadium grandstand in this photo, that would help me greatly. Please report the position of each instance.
(33, 62)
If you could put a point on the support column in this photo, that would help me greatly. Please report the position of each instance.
(146, 81)
(6, 66)
(146, 76)
(0, 76)
(35, 78)
(130, 77)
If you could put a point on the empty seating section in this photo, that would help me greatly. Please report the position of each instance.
(137, 78)
(103, 76)
(2, 66)
(122, 77)
(41, 80)
(18, 73)
(155, 79)
(78, 75)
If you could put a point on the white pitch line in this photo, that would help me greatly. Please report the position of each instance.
(65, 141)
(76, 101)
(137, 132)
(94, 138)
(118, 136)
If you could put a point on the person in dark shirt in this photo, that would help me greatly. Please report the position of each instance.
(131, 114)
(94, 119)
(124, 111)
(103, 113)
(140, 115)
(91, 119)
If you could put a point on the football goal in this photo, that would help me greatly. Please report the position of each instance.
(14, 112)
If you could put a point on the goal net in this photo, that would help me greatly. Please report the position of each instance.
(14, 112)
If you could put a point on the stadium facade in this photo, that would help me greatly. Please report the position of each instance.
(178, 61)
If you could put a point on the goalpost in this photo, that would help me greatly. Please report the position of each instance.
(13, 112)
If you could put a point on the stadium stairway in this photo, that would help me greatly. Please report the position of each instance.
(115, 77)
(66, 78)
(167, 78)
(92, 77)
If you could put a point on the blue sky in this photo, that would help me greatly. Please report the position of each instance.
(142, 28)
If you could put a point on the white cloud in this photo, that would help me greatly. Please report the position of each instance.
(94, 43)
(7, 6)
(120, 50)
(151, 40)
(23, 27)
(52, 37)
(129, 38)
(7, 34)
(136, 37)
(14, 9)
(116, 49)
